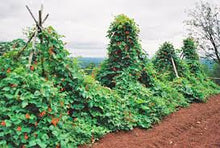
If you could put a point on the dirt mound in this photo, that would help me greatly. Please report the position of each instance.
(195, 126)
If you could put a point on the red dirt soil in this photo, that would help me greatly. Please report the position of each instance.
(197, 126)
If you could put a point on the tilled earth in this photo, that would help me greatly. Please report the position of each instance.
(197, 126)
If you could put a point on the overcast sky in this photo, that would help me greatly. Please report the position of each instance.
(85, 22)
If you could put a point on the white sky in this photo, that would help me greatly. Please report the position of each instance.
(85, 22)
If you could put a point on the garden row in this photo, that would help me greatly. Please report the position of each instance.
(48, 101)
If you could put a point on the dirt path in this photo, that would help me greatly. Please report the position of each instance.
(195, 127)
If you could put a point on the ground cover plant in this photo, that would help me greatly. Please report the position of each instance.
(48, 101)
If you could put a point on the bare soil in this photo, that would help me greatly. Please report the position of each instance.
(197, 126)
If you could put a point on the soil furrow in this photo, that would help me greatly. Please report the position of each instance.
(195, 126)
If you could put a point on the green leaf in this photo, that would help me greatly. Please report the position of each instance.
(24, 104)
(41, 144)
(55, 133)
(6, 88)
(32, 143)
(8, 123)
(27, 130)
(9, 96)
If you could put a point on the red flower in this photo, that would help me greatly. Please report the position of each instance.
(9, 70)
(3, 123)
(49, 109)
(32, 68)
(25, 136)
(51, 50)
(19, 128)
(42, 114)
(54, 121)
(27, 116)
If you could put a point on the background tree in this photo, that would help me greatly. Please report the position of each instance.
(204, 22)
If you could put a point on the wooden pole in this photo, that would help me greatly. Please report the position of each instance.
(41, 39)
(174, 67)
(33, 50)
(213, 78)
(45, 18)
(20, 52)
(29, 10)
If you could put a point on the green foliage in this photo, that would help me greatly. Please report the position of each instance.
(128, 71)
(145, 105)
(89, 68)
(216, 73)
(163, 62)
(190, 55)
(54, 82)
(192, 82)
(124, 51)
(7, 46)
(28, 109)
(48, 101)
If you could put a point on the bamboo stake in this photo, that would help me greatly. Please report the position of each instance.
(214, 78)
(174, 67)
(39, 26)
(33, 50)
(45, 19)
(20, 52)
(29, 10)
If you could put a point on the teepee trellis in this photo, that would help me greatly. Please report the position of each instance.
(37, 29)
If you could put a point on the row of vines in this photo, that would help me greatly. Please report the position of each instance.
(53, 103)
